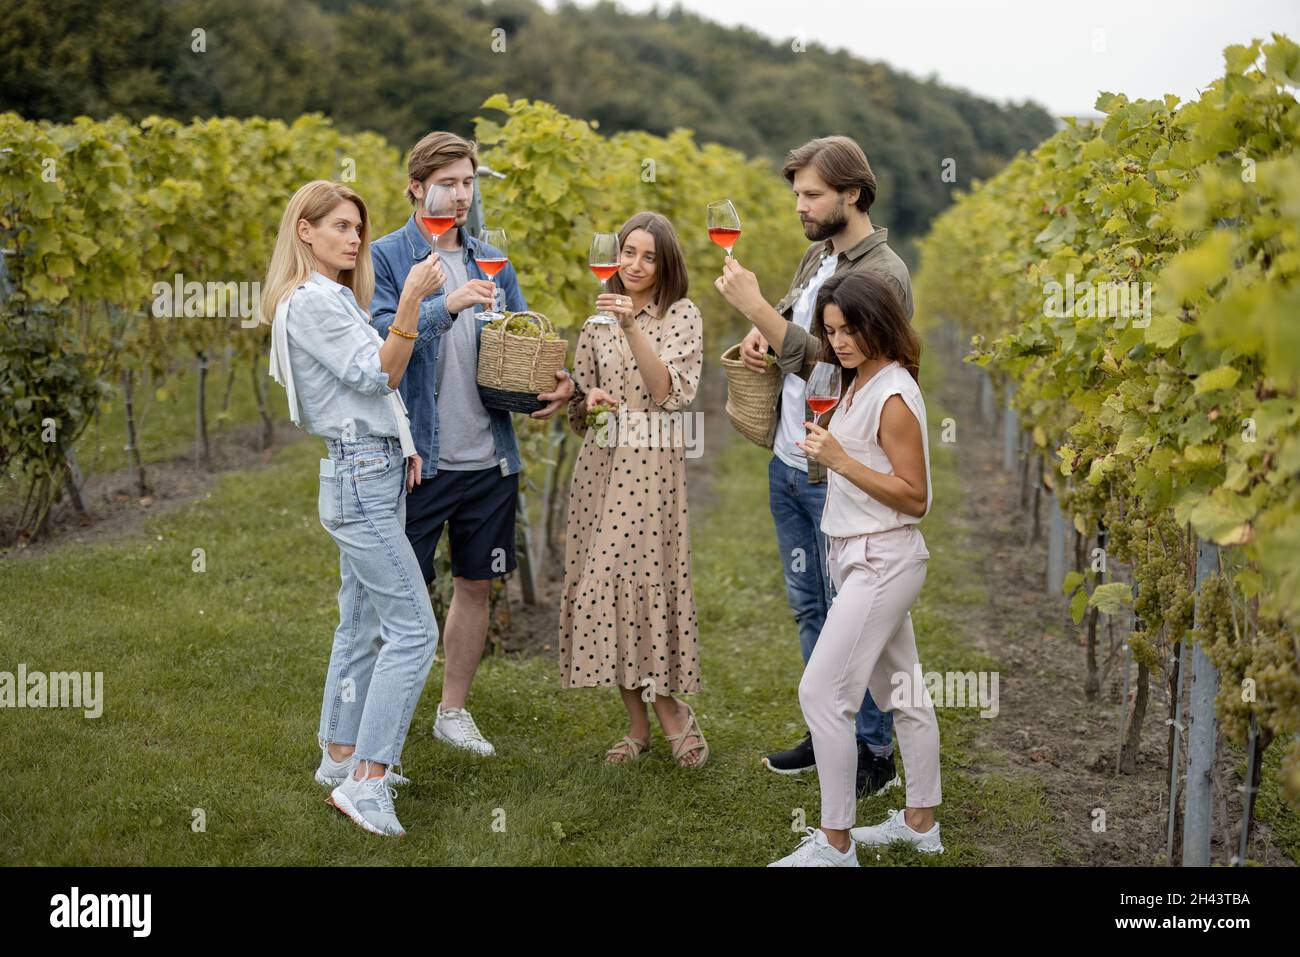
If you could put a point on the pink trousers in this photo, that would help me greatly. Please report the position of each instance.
(867, 641)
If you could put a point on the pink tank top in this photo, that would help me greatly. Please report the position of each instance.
(850, 511)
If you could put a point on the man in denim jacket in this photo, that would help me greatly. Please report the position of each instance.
(470, 475)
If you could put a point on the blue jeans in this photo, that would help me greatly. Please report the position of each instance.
(796, 506)
(387, 634)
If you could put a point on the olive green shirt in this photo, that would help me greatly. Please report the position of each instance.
(800, 350)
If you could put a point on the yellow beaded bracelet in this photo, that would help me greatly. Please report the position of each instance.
(404, 335)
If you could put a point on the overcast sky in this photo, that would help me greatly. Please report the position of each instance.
(1023, 49)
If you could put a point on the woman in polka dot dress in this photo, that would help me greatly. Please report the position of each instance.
(627, 615)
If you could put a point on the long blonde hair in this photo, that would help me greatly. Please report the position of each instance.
(293, 261)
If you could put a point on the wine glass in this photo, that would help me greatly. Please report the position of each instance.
(603, 260)
(724, 224)
(491, 265)
(822, 393)
(438, 211)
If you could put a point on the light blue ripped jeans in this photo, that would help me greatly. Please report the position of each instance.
(387, 634)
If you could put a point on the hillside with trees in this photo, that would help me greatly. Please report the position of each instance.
(402, 67)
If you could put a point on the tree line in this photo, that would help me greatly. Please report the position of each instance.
(403, 67)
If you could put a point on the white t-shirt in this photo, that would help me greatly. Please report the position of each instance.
(850, 511)
(791, 427)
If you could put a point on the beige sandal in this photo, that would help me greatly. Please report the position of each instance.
(690, 730)
(629, 749)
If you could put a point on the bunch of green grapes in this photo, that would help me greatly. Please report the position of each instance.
(1231, 656)
(1164, 604)
(517, 325)
(1265, 658)
(1125, 523)
(596, 414)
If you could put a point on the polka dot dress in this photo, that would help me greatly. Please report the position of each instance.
(627, 613)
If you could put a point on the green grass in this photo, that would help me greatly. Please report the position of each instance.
(213, 682)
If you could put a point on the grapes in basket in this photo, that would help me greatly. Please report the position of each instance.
(517, 325)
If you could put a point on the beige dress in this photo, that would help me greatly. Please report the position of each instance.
(627, 614)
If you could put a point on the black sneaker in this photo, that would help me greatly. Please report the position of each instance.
(797, 759)
(876, 775)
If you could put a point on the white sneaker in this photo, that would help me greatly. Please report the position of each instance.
(456, 727)
(395, 779)
(332, 773)
(895, 829)
(369, 803)
(815, 851)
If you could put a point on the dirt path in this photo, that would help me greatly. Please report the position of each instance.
(1046, 727)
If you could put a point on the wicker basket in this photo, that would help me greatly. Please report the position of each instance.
(513, 369)
(751, 397)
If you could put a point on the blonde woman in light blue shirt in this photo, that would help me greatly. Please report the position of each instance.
(341, 382)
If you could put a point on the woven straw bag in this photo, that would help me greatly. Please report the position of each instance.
(751, 397)
(513, 369)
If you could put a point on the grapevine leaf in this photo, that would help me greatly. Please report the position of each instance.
(1110, 598)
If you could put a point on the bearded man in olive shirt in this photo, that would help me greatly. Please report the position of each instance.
(834, 189)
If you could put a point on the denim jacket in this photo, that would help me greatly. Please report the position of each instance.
(393, 256)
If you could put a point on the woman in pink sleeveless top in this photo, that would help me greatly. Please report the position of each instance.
(877, 455)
